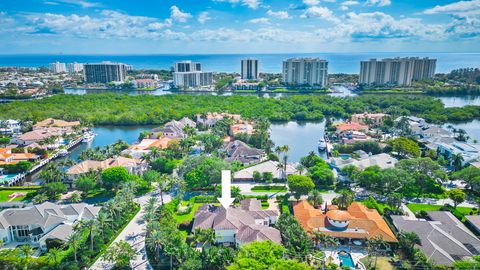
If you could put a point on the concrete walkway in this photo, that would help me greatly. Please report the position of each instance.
(134, 234)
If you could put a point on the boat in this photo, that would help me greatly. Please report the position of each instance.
(322, 144)
(88, 137)
(62, 153)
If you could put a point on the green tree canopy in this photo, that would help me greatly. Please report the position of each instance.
(114, 176)
(300, 185)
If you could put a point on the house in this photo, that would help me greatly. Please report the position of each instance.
(238, 225)
(350, 126)
(50, 122)
(145, 146)
(7, 157)
(357, 223)
(242, 152)
(468, 152)
(474, 222)
(444, 239)
(174, 129)
(241, 127)
(40, 134)
(134, 166)
(36, 224)
(267, 166)
(351, 137)
(10, 126)
(210, 119)
(145, 83)
(375, 119)
(382, 160)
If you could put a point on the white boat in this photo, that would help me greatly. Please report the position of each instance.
(63, 152)
(322, 144)
(88, 137)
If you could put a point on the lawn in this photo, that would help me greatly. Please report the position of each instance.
(277, 188)
(382, 263)
(179, 218)
(415, 207)
(5, 193)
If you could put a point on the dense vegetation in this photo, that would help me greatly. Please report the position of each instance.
(111, 108)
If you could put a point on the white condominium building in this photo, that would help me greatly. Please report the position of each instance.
(58, 67)
(305, 71)
(396, 71)
(188, 74)
(249, 69)
(75, 67)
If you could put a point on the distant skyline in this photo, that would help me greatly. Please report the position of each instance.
(237, 26)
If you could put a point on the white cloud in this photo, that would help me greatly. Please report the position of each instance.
(461, 6)
(278, 14)
(311, 2)
(203, 17)
(320, 12)
(260, 20)
(350, 3)
(253, 4)
(179, 16)
(380, 3)
(82, 3)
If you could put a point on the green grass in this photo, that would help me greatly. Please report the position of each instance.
(415, 207)
(4, 194)
(269, 189)
(189, 216)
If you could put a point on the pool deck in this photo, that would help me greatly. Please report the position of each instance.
(357, 254)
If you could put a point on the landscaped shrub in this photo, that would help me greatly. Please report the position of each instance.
(276, 187)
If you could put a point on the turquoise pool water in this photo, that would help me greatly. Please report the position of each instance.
(345, 156)
(4, 178)
(346, 259)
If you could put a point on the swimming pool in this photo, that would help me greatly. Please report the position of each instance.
(5, 177)
(346, 259)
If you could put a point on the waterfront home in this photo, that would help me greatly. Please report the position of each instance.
(241, 127)
(134, 166)
(364, 160)
(350, 126)
(7, 157)
(174, 129)
(374, 119)
(144, 147)
(468, 152)
(270, 166)
(474, 222)
(50, 122)
(242, 152)
(145, 83)
(210, 119)
(351, 137)
(9, 127)
(354, 225)
(35, 225)
(246, 85)
(444, 239)
(238, 225)
(40, 134)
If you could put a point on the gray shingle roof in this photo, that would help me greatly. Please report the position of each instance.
(443, 238)
(240, 219)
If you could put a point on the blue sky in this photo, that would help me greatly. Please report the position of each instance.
(238, 26)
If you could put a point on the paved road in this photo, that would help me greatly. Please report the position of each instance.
(134, 234)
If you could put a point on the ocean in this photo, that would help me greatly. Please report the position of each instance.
(271, 63)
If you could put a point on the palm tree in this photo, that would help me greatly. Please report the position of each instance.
(102, 221)
(54, 256)
(165, 183)
(300, 168)
(154, 153)
(120, 253)
(315, 198)
(27, 252)
(91, 226)
(318, 237)
(345, 199)
(457, 161)
(204, 236)
(408, 240)
(73, 241)
(375, 246)
(155, 241)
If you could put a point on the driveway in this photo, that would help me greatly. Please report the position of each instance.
(134, 234)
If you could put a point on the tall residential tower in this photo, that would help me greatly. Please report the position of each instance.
(188, 74)
(305, 71)
(396, 71)
(249, 69)
(105, 72)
